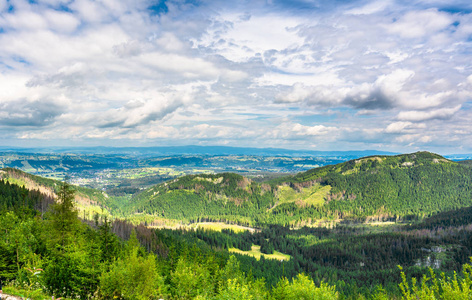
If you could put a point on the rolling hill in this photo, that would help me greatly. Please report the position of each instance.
(374, 188)
(88, 201)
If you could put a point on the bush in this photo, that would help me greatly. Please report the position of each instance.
(302, 287)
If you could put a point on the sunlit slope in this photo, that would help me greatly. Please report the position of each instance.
(376, 188)
(420, 183)
(88, 200)
(370, 188)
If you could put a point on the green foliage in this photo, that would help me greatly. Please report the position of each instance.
(132, 277)
(26, 293)
(381, 188)
(303, 287)
(63, 217)
(378, 188)
(90, 261)
(445, 288)
(191, 279)
(108, 242)
(233, 284)
(17, 244)
(234, 290)
(65, 275)
(195, 197)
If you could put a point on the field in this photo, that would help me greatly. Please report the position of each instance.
(219, 226)
(256, 253)
(314, 195)
(213, 226)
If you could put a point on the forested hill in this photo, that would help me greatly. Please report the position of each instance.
(371, 188)
(87, 200)
(225, 196)
(371, 163)
(374, 188)
(465, 162)
(414, 184)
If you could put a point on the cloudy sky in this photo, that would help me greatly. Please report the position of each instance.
(392, 75)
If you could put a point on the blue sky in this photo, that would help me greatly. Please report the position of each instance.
(316, 75)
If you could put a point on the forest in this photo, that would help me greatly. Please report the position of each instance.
(46, 250)
(319, 219)
(379, 188)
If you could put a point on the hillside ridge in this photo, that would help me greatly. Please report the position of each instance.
(372, 188)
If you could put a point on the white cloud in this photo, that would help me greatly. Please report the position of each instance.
(404, 127)
(397, 127)
(370, 8)
(316, 130)
(417, 24)
(61, 21)
(212, 72)
(24, 20)
(239, 39)
(315, 95)
(89, 11)
(381, 94)
(3, 5)
(415, 116)
(170, 42)
(290, 130)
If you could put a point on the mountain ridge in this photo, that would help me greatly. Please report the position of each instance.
(373, 187)
(195, 149)
(370, 188)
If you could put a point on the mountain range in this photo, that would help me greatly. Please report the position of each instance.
(373, 188)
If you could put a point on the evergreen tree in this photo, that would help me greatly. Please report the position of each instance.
(64, 216)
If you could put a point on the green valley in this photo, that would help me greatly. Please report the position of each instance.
(235, 235)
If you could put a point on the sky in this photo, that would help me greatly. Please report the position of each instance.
(391, 75)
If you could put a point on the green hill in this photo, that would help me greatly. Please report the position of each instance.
(380, 188)
(224, 196)
(88, 201)
(467, 163)
(375, 188)
(369, 189)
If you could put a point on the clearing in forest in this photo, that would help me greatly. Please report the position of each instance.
(256, 253)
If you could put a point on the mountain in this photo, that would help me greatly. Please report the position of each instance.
(467, 162)
(358, 262)
(414, 184)
(374, 188)
(88, 201)
(194, 150)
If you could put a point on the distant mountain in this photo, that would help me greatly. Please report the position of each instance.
(195, 150)
(87, 165)
(466, 162)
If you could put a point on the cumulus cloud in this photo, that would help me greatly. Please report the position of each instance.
(63, 22)
(38, 113)
(223, 72)
(418, 24)
(239, 37)
(442, 114)
(381, 94)
(404, 127)
(291, 130)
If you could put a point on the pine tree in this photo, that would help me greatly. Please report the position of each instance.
(64, 216)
